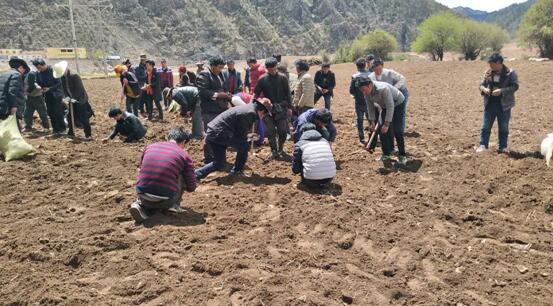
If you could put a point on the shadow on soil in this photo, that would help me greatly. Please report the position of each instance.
(187, 218)
(413, 166)
(254, 179)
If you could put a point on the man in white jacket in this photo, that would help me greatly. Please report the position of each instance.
(313, 158)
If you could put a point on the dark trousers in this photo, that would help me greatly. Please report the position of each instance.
(316, 184)
(82, 116)
(35, 104)
(208, 152)
(220, 157)
(132, 105)
(491, 111)
(327, 97)
(395, 131)
(151, 204)
(361, 112)
(149, 100)
(276, 125)
(55, 109)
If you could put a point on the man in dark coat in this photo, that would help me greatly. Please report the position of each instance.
(12, 92)
(274, 86)
(214, 99)
(53, 95)
(76, 95)
(325, 81)
(233, 78)
(151, 91)
(231, 129)
(140, 72)
(127, 125)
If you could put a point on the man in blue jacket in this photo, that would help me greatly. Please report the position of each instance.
(53, 95)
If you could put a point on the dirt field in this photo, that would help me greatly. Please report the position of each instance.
(453, 228)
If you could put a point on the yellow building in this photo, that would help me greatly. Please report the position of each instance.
(10, 52)
(59, 53)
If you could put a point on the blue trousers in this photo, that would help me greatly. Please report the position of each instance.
(494, 110)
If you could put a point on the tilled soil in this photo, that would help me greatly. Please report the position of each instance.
(452, 228)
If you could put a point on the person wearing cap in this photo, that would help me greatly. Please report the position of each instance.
(186, 77)
(166, 170)
(77, 98)
(391, 101)
(126, 124)
(304, 91)
(233, 78)
(140, 72)
(274, 86)
(313, 158)
(321, 118)
(213, 96)
(361, 109)
(165, 76)
(53, 95)
(497, 87)
(130, 88)
(256, 70)
(12, 90)
(325, 81)
(188, 97)
(233, 128)
(35, 102)
(151, 91)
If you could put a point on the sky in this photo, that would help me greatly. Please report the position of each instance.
(483, 5)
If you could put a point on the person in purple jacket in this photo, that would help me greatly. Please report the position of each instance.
(166, 170)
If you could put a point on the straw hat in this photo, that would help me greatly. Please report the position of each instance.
(59, 69)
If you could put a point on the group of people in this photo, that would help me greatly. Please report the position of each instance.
(57, 94)
(230, 112)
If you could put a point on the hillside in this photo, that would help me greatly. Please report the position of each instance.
(508, 18)
(196, 29)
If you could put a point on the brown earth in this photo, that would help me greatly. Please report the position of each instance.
(453, 228)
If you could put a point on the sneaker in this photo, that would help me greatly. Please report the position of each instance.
(504, 151)
(385, 158)
(89, 138)
(138, 213)
(481, 148)
(402, 160)
(275, 155)
(176, 208)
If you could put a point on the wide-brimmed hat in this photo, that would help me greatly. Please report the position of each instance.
(16, 62)
(59, 69)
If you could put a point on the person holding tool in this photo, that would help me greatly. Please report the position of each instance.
(76, 98)
(391, 100)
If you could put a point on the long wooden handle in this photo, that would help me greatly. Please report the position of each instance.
(72, 117)
(373, 135)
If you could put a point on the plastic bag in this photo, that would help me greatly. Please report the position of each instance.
(12, 144)
(174, 107)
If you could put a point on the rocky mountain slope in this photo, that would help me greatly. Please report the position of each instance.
(194, 29)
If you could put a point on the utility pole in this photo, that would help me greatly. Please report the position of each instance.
(74, 36)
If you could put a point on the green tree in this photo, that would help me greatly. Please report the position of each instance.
(475, 37)
(438, 34)
(377, 42)
(536, 28)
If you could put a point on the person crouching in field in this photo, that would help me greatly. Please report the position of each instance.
(498, 87)
(313, 158)
(233, 128)
(127, 124)
(166, 170)
(391, 100)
